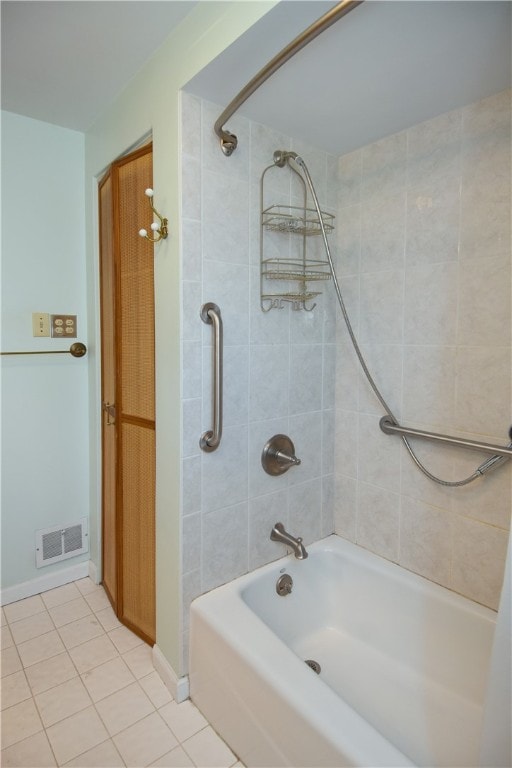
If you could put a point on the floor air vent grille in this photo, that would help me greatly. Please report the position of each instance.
(60, 543)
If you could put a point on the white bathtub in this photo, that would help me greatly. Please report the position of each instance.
(404, 664)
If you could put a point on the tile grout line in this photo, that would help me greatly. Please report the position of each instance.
(106, 741)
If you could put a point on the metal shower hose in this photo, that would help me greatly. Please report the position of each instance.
(451, 483)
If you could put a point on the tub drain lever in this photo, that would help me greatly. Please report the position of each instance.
(284, 585)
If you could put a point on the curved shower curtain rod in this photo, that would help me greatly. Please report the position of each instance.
(228, 141)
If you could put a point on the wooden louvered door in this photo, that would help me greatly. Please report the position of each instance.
(108, 389)
(128, 393)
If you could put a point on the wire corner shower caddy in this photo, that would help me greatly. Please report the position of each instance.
(294, 264)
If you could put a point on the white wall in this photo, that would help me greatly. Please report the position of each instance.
(45, 464)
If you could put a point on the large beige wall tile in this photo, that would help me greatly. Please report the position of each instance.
(478, 560)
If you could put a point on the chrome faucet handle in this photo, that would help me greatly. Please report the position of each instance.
(287, 460)
(279, 455)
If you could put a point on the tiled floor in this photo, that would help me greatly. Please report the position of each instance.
(79, 689)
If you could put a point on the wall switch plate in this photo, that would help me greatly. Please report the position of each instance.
(40, 324)
(63, 326)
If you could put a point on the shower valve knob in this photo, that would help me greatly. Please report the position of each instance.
(279, 455)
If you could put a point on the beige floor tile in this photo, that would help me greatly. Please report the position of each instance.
(68, 612)
(176, 758)
(97, 600)
(33, 626)
(93, 653)
(6, 640)
(60, 595)
(51, 672)
(77, 734)
(140, 660)
(20, 722)
(208, 750)
(31, 752)
(108, 619)
(24, 608)
(155, 689)
(108, 678)
(40, 648)
(124, 708)
(10, 661)
(103, 756)
(183, 719)
(87, 585)
(62, 701)
(144, 742)
(116, 672)
(80, 631)
(3, 620)
(15, 689)
(124, 640)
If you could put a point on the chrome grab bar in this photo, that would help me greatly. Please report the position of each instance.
(210, 440)
(389, 428)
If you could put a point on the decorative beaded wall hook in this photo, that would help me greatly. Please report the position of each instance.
(159, 229)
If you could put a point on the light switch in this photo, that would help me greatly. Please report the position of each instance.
(40, 324)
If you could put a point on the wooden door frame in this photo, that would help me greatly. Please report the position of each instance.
(109, 175)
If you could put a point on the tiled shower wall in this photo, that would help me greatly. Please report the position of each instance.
(278, 366)
(424, 253)
(422, 244)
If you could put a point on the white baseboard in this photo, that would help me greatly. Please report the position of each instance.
(93, 572)
(43, 583)
(178, 686)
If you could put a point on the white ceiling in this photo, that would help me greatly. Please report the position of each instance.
(65, 61)
(383, 67)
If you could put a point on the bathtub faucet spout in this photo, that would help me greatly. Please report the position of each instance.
(278, 533)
